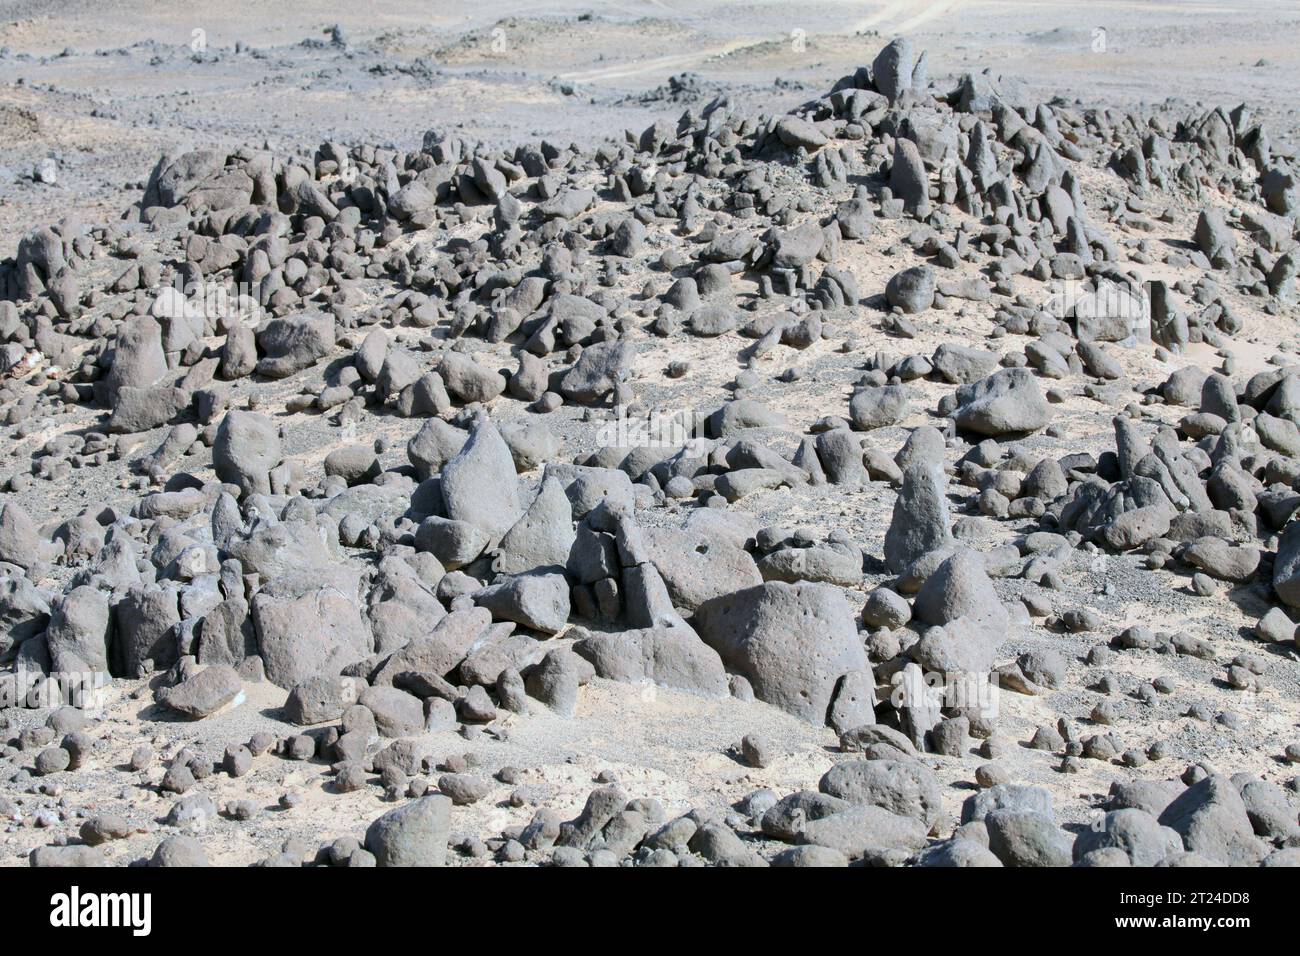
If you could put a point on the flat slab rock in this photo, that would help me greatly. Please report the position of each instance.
(210, 690)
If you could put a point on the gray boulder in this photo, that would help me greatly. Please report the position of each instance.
(20, 541)
(1212, 819)
(454, 543)
(1007, 402)
(543, 537)
(246, 448)
(138, 358)
(960, 587)
(960, 365)
(911, 290)
(79, 632)
(397, 713)
(468, 381)
(795, 131)
(24, 613)
(920, 522)
(146, 619)
(207, 692)
(441, 649)
(308, 624)
(435, 444)
(1007, 796)
(667, 656)
(792, 642)
(1136, 833)
(480, 486)
(1215, 239)
(910, 183)
(414, 834)
(318, 699)
(294, 342)
(872, 408)
(598, 370)
(538, 600)
(1286, 567)
(892, 69)
(905, 787)
(961, 647)
(556, 678)
(697, 567)
(868, 833)
(1027, 838)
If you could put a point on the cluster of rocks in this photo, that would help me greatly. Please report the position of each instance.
(489, 573)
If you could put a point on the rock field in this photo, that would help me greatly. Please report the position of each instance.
(894, 468)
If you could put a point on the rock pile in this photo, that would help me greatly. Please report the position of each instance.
(484, 573)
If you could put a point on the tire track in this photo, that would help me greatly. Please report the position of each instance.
(920, 11)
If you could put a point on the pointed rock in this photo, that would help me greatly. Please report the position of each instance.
(480, 486)
(920, 522)
(543, 537)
